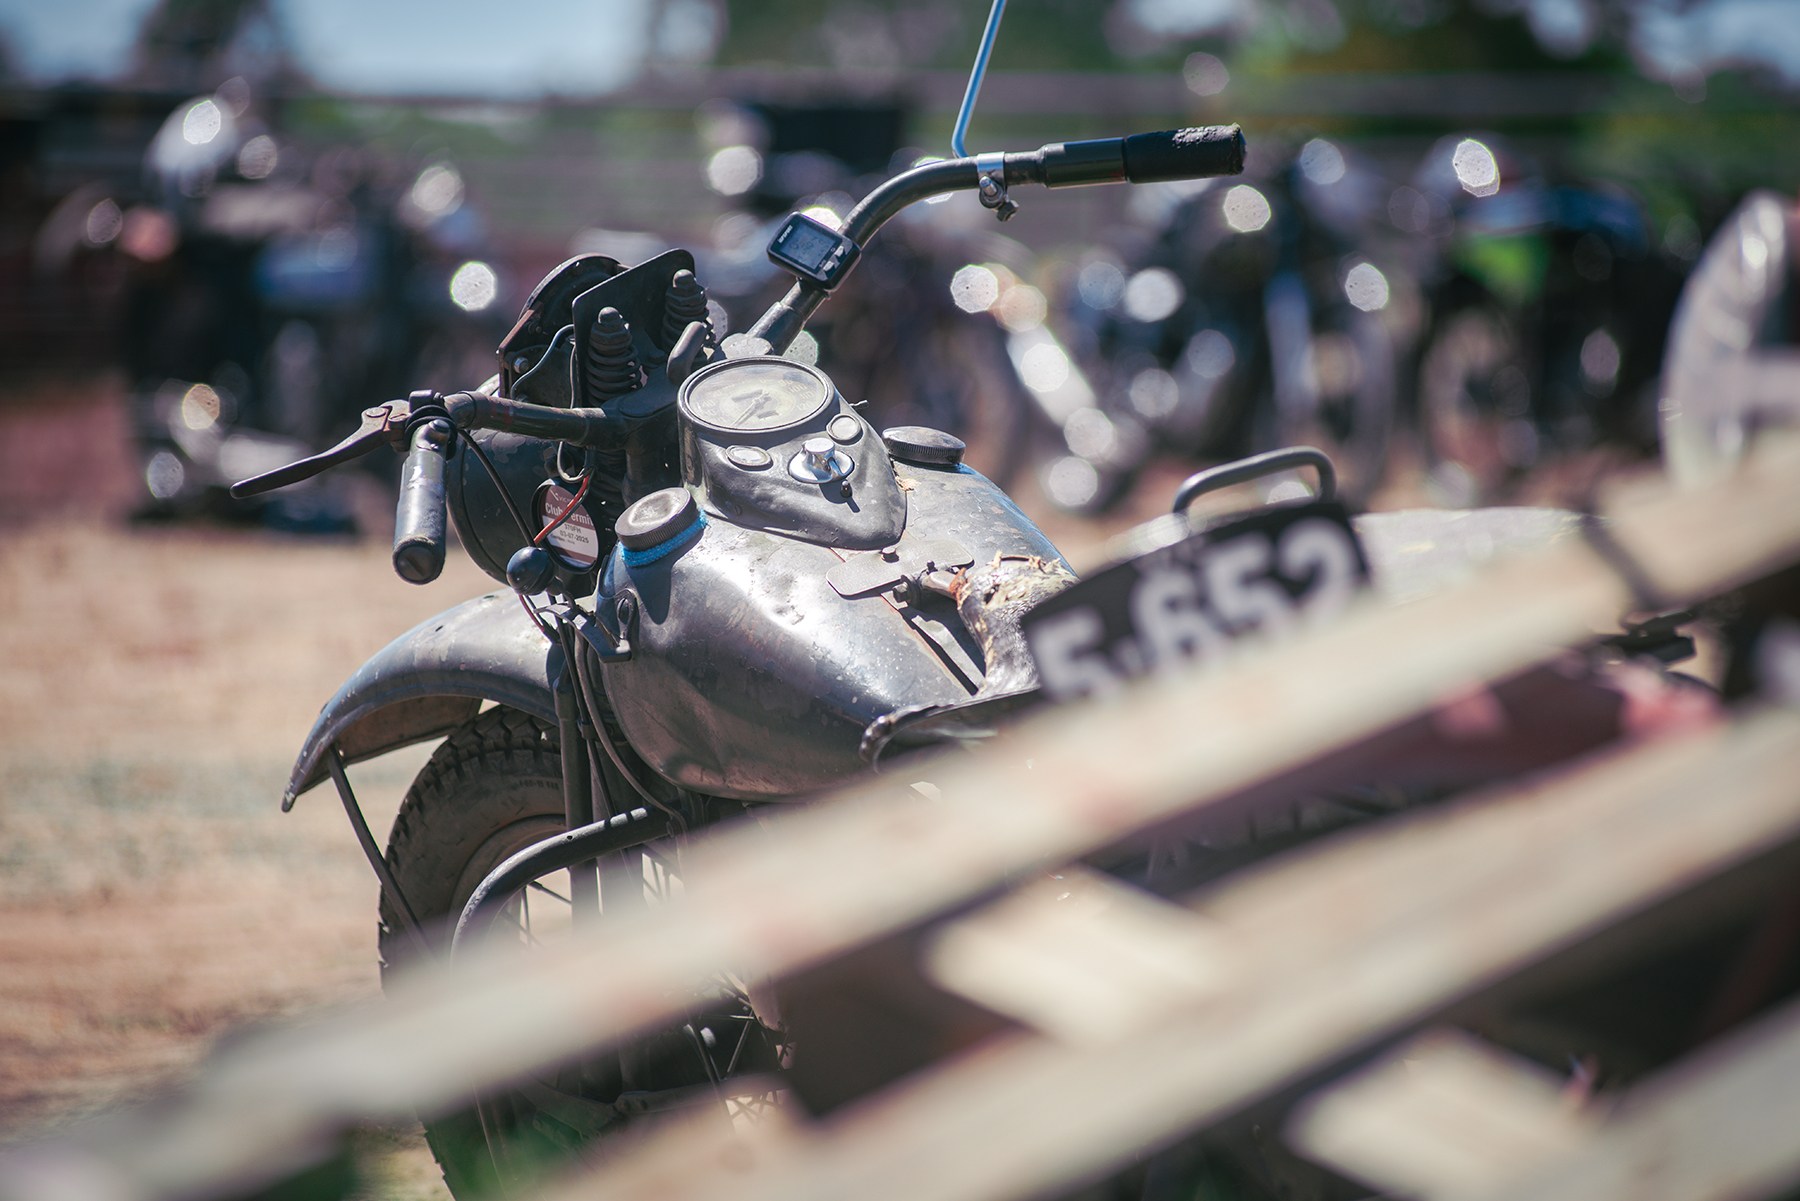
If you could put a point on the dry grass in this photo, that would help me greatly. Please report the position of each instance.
(154, 687)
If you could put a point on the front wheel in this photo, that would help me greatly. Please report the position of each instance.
(493, 788)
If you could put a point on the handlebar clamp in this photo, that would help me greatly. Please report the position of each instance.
(425, 407)
(991, 185)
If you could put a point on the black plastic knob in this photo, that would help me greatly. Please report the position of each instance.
(530, 570)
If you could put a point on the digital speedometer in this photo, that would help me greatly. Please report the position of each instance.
(755, 395)
(813, 251)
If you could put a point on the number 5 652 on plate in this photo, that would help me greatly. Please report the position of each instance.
(1263, 576)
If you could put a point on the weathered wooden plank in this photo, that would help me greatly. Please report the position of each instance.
(1722, 1126)
(1447, 1119)
(1332, 949)
(765, 902)
(1445, 1115)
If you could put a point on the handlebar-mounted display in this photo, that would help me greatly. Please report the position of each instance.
(813, 251)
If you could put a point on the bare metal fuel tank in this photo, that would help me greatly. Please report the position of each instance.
(771, 603)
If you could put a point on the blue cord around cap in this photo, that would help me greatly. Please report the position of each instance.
(650, 554)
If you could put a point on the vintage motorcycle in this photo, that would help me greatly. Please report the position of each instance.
(728, 591)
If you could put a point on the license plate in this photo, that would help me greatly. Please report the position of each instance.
(1188, 603)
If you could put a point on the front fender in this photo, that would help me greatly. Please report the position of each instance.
(431, 680)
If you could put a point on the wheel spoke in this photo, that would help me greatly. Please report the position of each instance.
(737, 1051)
(541, 887)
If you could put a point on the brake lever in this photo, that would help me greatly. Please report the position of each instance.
(383, 423)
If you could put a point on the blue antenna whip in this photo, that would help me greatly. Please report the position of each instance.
(975, 76)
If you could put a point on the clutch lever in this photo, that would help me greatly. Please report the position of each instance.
(385, 423)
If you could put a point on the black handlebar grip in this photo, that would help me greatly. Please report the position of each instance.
(419, 518)
(1144, 157)
(1184, 154)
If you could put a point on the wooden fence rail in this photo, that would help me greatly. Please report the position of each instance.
(1277, 976)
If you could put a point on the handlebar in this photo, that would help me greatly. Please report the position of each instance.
(419, 518)
(419, 522)
(1140, 158)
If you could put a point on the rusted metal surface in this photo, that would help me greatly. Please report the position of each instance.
(991, 597)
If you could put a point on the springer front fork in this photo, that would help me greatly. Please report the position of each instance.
(577, 775)
(593, 770)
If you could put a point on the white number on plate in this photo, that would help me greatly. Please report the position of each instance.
(1184, 614)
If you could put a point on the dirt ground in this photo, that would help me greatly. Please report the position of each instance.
(155, 684)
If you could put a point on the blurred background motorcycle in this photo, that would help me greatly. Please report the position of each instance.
(272, 294)
(1549, 302)
(1260, 313)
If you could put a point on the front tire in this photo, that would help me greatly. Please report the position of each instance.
(493, 788)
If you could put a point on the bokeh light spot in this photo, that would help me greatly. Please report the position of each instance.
(1100, 284)
(1091, 434)
(734, 170)
(104, 221)
(1071, 482)
(200, 408)
(1246, 209)
(164, 475)
(1153, 393)
(438, 191)
(258, 158)
(1210, 355)
(974, 288)
(1153, 294)
(202, 123)
(1204, 74)
(1044, 367)
(1600, 362)
(1366, 287)
(474, 286)
(1021, 307)
(803, 349)
(1475, 168)
(1321, 162)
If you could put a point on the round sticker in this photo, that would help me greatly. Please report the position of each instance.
(575, 541)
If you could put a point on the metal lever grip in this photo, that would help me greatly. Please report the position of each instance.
(381, 424)
(419, 518)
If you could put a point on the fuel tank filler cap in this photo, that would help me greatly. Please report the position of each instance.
(653, 520)
(922, 444)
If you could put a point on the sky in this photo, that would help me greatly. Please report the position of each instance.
(461, 47)
(529, 48)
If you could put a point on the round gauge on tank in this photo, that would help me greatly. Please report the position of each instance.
(752, 396)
